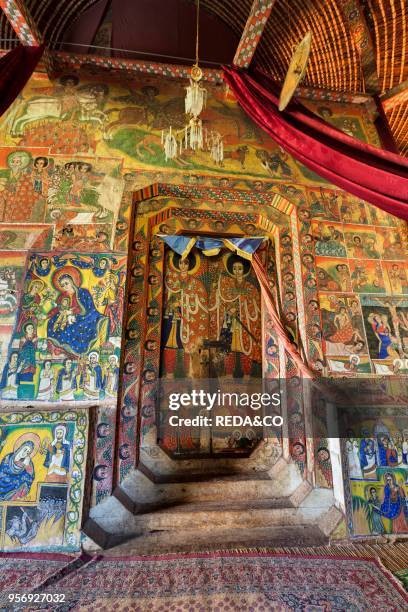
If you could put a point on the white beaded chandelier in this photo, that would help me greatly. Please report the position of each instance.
(193, 136)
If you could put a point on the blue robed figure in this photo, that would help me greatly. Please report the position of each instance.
(17, 472)
(394, 505)
(81, 329)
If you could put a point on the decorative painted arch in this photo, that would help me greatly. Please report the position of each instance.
(136, 415)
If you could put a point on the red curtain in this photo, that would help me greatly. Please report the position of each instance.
(372, 174)
(16, 67)
(278, 327)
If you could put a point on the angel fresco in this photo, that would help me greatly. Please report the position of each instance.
(108, 294)
(238, 317)
(17, 470)
(185, 313)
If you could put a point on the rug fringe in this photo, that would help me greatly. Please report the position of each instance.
(393, 556)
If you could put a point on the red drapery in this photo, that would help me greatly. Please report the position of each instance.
(278, 327)
(374, 175)
(16, 67)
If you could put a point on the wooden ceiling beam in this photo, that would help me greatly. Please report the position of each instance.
(353, 13)
(258, 17)
(21, 22)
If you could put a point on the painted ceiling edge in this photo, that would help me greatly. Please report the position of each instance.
(336, 66)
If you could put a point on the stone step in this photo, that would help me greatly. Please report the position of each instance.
(218, 539)
(141, 491)
(164, 468)
(113, 518)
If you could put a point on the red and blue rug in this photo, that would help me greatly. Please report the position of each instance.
(201, 582)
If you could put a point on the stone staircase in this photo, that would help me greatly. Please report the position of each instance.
(275, 508)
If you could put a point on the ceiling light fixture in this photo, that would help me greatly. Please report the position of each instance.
(194, 136)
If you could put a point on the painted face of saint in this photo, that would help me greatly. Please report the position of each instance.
(24, 451)
(67, 284)
(29, 330)
(183, 265)
(238, 269)
(35, 288)
(16, 162)
(60, 433)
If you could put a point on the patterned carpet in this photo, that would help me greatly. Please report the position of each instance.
(200, 582)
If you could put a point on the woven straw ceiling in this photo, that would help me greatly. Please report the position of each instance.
(335, 62)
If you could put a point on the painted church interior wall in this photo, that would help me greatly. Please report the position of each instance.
(84, 191)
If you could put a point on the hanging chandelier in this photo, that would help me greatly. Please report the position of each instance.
(194, 136)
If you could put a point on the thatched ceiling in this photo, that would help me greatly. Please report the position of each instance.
(336, 62)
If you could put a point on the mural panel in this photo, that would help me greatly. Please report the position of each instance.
(40, 188)
(377, 463)
(211, 330)
(42, 476)
(343, 330)
(329, 239)
(66, 341)
(386, 323)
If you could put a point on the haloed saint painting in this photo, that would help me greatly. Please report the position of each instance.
(66, 341)
(211, 330)
(42, 470)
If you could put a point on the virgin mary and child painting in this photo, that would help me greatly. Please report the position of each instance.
(17, 470)
(68, 329)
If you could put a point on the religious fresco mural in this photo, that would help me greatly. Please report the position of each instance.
(329, 239)
(74, 150)
(367, 276)
(85, 116)
(12, 266)
(38, 188)
(386, 322)
(66, 341)
(356, 120)
(211, 330)
(377, 467)
(25, 236)
(42, 477)
(333, 274)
